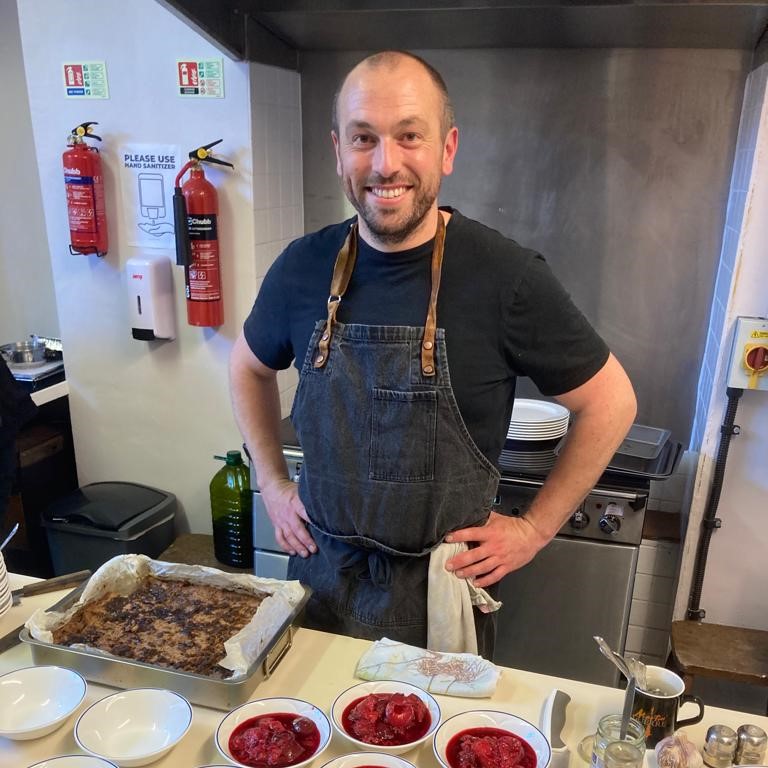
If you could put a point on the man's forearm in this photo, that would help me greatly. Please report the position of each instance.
(596, 433)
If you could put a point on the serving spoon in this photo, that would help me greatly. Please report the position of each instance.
(613, 656)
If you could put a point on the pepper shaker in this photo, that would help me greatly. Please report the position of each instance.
(751, 746)
(720, 746)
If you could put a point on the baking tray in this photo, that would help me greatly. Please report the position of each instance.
(199, 689)
(658, 468)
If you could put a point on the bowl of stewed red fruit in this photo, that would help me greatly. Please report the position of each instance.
(490, 739)
(385, 716)
(275, 732)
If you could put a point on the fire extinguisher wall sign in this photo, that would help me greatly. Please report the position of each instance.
(196, 209)
(84, 183)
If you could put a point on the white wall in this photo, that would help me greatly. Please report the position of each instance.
(148, 413)
(736, 580)
(27, 300)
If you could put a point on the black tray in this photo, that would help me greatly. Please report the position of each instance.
(659, 468)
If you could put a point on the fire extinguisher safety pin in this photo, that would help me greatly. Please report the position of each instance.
(204, 155)
(200, 153)
(84, 129)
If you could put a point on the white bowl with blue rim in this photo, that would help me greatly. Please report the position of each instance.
(35, 701)
(367, 759)
(271, 706)
(359, 691)
(134, 727)
(75, 761)
(488, 718)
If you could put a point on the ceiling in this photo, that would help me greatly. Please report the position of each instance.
(277, 31)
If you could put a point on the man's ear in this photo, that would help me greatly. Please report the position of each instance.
(450, 147)
(335, 140)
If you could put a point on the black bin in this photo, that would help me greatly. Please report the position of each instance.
(101, 520)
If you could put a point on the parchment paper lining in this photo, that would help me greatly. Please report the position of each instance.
(123, 575)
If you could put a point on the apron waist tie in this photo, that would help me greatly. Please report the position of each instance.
(368, 565)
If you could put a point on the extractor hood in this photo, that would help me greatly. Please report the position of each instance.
(277, 31)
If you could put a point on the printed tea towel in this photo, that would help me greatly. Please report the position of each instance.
(454, 674)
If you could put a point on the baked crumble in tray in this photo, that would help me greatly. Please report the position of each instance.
(192, 619)
(174, 624)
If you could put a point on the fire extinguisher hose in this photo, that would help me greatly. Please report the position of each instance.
(183, 247)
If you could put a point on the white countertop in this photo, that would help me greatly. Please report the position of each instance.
(317, 668)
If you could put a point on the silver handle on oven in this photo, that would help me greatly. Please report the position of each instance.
(293, 453)
(605, 492)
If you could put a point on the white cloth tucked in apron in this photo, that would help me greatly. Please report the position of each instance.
(450, 618)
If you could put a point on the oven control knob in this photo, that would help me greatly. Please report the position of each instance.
(609, 524)
(579, 520)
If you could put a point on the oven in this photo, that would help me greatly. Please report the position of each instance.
(578, 586)
(268, 559)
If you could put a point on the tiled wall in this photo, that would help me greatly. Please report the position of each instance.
(653, 600)
(653, 597)
(278, 195)
(742, 171)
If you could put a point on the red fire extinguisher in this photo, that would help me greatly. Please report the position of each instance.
(195, 211)
(84, 183)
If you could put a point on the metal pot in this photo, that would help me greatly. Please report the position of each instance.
(24, 352)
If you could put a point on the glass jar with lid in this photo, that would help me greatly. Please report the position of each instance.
(609, 730)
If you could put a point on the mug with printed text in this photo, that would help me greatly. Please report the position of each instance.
(657, 706)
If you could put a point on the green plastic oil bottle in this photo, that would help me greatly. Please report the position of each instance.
(232, 512)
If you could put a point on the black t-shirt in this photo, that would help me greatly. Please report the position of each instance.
(503, 311)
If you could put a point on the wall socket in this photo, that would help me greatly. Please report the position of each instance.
(748, 367)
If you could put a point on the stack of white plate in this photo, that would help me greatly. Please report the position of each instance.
(527, 461)
(535, 429)
(537, 421)
(6, 599)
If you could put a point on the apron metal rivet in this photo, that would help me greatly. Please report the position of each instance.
(427, 345)
(428, 369)
(325, 337)
(320, 359)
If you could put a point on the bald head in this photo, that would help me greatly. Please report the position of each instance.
(392, 61)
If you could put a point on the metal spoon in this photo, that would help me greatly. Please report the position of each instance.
(9, 536)
(612, 656)
(637, 668)
(629, 700)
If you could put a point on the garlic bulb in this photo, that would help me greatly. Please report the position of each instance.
(678, 751)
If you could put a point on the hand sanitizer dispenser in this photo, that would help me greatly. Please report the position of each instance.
(150, 289)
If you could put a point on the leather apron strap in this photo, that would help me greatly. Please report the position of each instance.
(342, 272)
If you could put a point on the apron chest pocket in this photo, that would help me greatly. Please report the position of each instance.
(403, 426)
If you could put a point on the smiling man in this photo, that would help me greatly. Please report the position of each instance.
(393, 146)
(407, 380)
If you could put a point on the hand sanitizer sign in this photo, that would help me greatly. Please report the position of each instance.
(147, 175)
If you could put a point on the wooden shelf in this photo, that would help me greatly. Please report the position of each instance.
(716, 650)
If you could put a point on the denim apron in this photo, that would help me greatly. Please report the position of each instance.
(389, 468)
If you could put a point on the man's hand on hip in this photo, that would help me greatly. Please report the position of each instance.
(502, 545)
(288, 517)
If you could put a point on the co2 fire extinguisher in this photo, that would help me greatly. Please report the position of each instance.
(84, 183)
(195, 212)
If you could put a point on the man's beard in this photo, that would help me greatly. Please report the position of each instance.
(392, 227)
